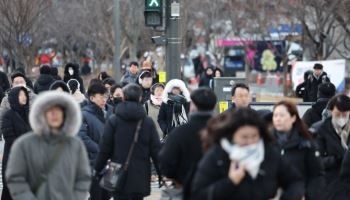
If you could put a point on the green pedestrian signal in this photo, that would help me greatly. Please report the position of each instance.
(153, 13)
(153, 4)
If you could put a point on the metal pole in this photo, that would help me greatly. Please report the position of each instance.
(173, 65)
(117, 35)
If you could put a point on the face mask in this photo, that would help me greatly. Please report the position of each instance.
(251, 156)
(117, 100)
(70, 71)
(341, 122)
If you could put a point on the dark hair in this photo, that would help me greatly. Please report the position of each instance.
(97, 88)
(54, 71)
(73, 85)
(134, 63)
(20, 69)
(132, 92)
(307, 74)
(225, 125)
(115, 87)
(59, 84)
(326, 90)
(293, 111)
(103, 76)
(94, 81)
(219, 70)
(108, 81)
(145, 74)
(341, 101)
(45, 69)
(318, 66)
(238, 85)
(204, 98)
(17, 74)
(155, 86)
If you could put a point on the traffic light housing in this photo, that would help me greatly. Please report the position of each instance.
(153, 13)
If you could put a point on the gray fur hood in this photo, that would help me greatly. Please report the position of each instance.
(45, 100)
(176, 83)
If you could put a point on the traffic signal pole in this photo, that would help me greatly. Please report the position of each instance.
(117, 72)
(173, 37)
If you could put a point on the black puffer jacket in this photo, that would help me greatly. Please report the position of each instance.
(15, 123)
(302, 154)
(311, 86)
(43, 83)
(211, 180)
(116, 141)
(340, 189)
(332, 152)
(314, 114)
(92, 128)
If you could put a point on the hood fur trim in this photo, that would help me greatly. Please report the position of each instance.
(45, 100)
(176, 83)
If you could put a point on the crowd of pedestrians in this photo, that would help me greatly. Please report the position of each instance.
(62, 141)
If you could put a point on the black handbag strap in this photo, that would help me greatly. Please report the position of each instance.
(136, 137)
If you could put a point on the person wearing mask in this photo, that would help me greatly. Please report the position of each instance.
(71, 71)
(182, 150)
(44, 81)
(296, 145)
(332, 136)
(314, 80)
(207, 78)
(242, 163)
(175, 106)
(116, 96)
(95, 115)
(117, 138)
(152, 106)
(145, 81)
(50, 162)
(314, 114)
(14, 124)
(300, 90)
(241, 97)
(131, 74)
(74, 89)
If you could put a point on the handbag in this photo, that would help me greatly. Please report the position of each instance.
(114, 175)
(171, 194)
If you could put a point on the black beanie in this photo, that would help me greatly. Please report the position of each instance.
(318, 66)
(45, 69)
(17, 74)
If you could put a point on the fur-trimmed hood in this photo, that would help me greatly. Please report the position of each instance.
(176, 83)
(45, 100)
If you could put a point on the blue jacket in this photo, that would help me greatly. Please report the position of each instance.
(92, 128)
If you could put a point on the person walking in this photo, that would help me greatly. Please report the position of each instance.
(44, 81)
(14, 124)
(118, 136)
(95, 115)
(296, 145)
(173, 111)
(152, 106)
(314, 80)
(182, 150)
(50, 162)
(71, 71)
(242, 163)
(332, 136)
